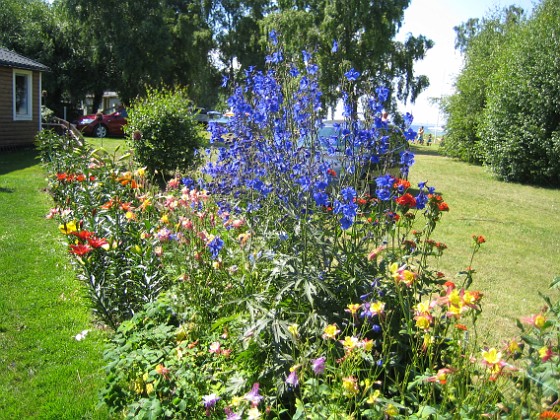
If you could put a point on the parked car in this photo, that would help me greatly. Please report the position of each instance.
(107, 123)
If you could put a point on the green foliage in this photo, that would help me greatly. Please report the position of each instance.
(521, 129)
(505, 112)
(540, 335)
(147, 43)
(482, 43)
(162, 131)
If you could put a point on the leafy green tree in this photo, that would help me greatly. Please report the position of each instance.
(481, 41)
(147, 43)
(521, 123)
(364, 32)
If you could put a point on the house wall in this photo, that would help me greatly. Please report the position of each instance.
(17, 133)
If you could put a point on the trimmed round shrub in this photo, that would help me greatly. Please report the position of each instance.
(163, 132)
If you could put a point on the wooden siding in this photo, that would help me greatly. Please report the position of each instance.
(16, 133)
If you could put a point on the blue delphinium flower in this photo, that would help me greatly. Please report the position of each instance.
(352, 75)
(334, 46)
(348, 193)
(225, 80)
(215, 245)
(273, 37)
(384, 184)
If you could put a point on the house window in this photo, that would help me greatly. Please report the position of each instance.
(23, 98)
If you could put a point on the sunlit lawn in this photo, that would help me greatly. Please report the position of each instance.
(522, 228)
(46, 373)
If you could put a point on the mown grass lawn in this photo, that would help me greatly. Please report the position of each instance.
(46, 373)
(522, 227)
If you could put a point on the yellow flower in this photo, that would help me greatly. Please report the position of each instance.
(423, 322)
(236, 401)
(377, 307)
(330, 331)
(469, 298)
(408, 277)
(391, 410)
(540, 320)
(373, 397)
(149, 388)
(130, 215)
(68, 228)
(423, 307)
(350, 386)
(140, 172)
(293, 329)
(164, 219)
(367, 344)
(353, 308)
(492, 356)
(350, 342)
(513, 346)
(455, 298)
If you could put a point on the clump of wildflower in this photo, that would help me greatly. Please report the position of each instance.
(350, 386)
(318, 365)
(402, 274)
(330, 331)
(492, 359)
(441, 376)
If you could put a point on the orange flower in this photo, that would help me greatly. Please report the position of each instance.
(549, 415)
(479, 239)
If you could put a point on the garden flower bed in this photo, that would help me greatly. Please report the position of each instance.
(284, 289)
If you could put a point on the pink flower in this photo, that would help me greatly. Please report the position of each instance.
(215, 347)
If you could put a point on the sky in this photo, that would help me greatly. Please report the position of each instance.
(435, 19)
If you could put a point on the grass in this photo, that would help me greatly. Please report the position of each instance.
(111, 145)
(46, 373)
(522, 227)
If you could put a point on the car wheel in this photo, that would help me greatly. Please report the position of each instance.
(100, 131)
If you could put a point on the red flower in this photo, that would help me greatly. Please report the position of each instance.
(82, 234)
(61, 176)
(331, 172)
(406, 200)
(443, 206)
(80, 249)
(80, 178)
(479, 239)
(97, 242)
(402, 183)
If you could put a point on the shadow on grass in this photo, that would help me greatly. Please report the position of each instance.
(425, 150)
(15, 160)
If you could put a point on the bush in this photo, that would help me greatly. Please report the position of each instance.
(521, 126)
(162, 131)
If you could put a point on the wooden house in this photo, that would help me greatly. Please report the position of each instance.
(20, 99)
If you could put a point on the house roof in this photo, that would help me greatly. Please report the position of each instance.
(11, 59)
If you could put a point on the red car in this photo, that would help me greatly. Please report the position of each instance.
(103, 124)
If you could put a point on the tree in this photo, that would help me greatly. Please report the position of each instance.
(521, 124)
(364, 31)
(481, 41)
(149, 43)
